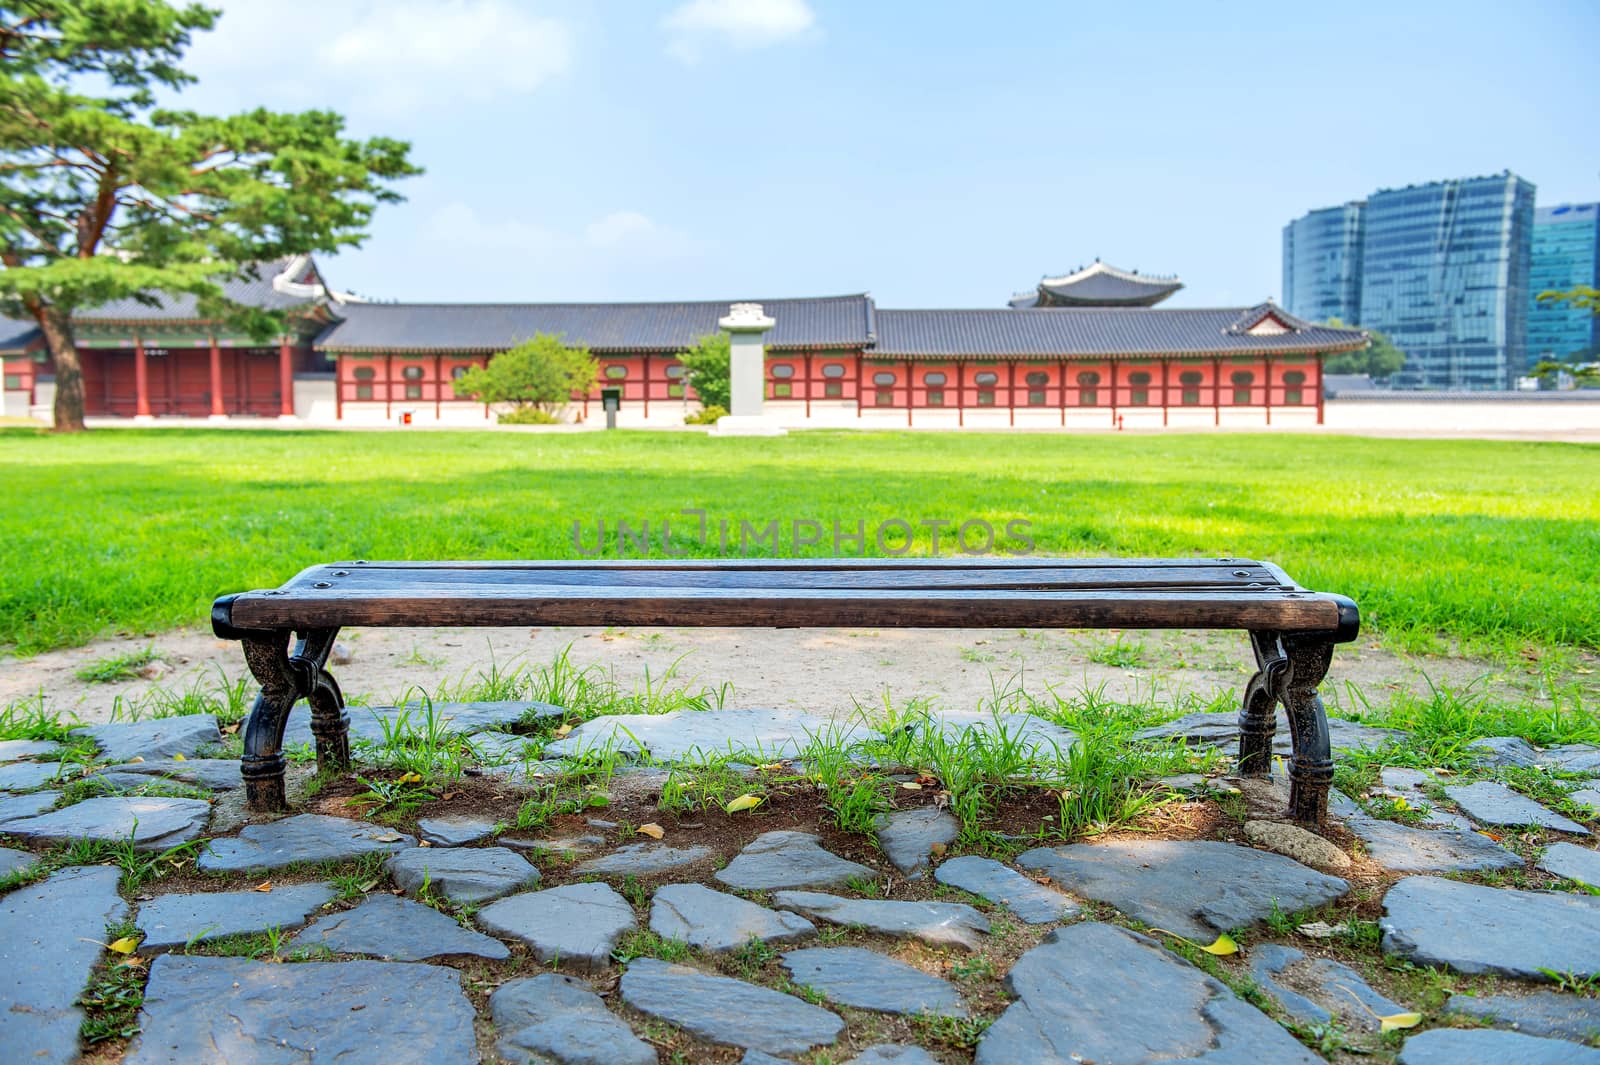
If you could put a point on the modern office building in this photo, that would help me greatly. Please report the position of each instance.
(1566, 253)
(1322, 264)
(1442, 268)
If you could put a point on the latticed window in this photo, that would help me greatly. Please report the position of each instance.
(364, 376)
(1139, 389)
(412, 373)
(1293, 383)
(616, 373)
(1190, 380)
(1242, 380)
(675, 382)
(1088, 389)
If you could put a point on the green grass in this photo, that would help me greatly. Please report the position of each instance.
(1475, 540)
(113, 668)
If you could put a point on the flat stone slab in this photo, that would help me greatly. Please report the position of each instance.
(764, 734)
(1502, 752)
(1095, 992)
(1195, 889)
(909, 836)
(217, 774)
(866, 980)
(729, 1012)
(1330, 989)
(643, 859)
(1475, 929)
(25, 776)
(1580, 758)
(1031, 901)
(789, 860)
(454, 830)
(152, 824)
(373, 724)
(940, 923)
(308, 1013)
(462, 874)
(169, 921)
(1405, 849)
(13, 861)
(301, 838)
(1221, 729)
(160, 737)
(1543, 1013)
(50, 936)
(1571, 862)
(1458, 1046)
(1041, 736)
(558, 1018)
(1492, 803)
(715, 922)
(11, 750)
(15, 807)
(396, 929)
(1589, 797)
(1409, 784)
(893, 1054)
(578, 923)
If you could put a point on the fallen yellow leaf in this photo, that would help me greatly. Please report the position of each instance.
(135, 758)
(1400, 803)
(911, 785)
(563, 730)
(771, 767)
(263, 887)
(1399, 1020)
(411, 778)
(1224, 945)
(937, 849)
(653, 830)
(125, 945)
(743, 802)
(178, 757)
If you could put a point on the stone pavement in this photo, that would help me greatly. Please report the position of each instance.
(313, 938)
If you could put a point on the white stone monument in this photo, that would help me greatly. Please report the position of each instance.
(744, 323)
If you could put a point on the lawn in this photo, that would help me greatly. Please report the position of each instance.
(1487, 543)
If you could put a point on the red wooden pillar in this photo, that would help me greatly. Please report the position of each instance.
(1216, 391)
(647, 384)
(141, 379)
(1112, 366)
(285, 380)
(1318, 359)
(858, 384)
(1165, 398)
(1061, 389)
(438, 386)
(910, 396)
(961, 393)
(217, 409)
(1266, 362)
(388, 386)
(338, 389)
(1011, 390)
(807, 358)
(486, 406)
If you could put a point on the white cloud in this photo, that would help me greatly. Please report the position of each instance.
(619, 236)
(740, 24)
(458, 225)
(383, 58)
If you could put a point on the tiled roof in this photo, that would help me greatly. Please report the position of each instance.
(16, 335)
(826, 322)
(275, 286)
(1077, 331)
(1099, 285)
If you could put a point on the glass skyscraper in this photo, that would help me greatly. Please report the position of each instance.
(1322, 264)
(1442, 269)
(1566, 253)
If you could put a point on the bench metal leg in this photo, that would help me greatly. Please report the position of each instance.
(1311, 770)
(1258, 718)
(285, 679)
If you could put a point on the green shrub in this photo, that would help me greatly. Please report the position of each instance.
(528, 416)
(705, 416)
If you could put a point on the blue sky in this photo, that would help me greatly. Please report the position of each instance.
(936, 154)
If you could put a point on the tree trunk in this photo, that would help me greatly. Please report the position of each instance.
(69, 371)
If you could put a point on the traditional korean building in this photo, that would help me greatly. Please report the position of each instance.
(1089, 348)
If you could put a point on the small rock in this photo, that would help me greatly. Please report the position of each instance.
(199, 1009)
(866, 980)
(1305, 847)
(558, 1017)
(160, 737)
(909, 836)
(1095, 992)
(301, 838)
(1495, 804)
(1475, 929)
(1195, 889)
(1031, 901)
(564, 845)
(729, 1012)
(1334, 989)
(153, 824)
(643, 859)
(12, 861)
(1571, 862)
(16, 807)
(1543, 1013)
(462, 874)
(11, 750)
(154, 669)
(341, 655)
(939, 923)
(1404, 849)
(578, 923)
(178, 920)
(789, 859)
(25, 776)
(397, 929)
(1501, 752)
(454, 830)
(1185, 783)
(715, 922)
(1458, 1046)
(893, 1054)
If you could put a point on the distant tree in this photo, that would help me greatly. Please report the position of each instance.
(707, 366)
(1379, 359)
(104, 196)
(1585, 373)
(538, 374)
(1583, 296)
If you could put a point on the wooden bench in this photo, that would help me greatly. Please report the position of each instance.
(1292, 630)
